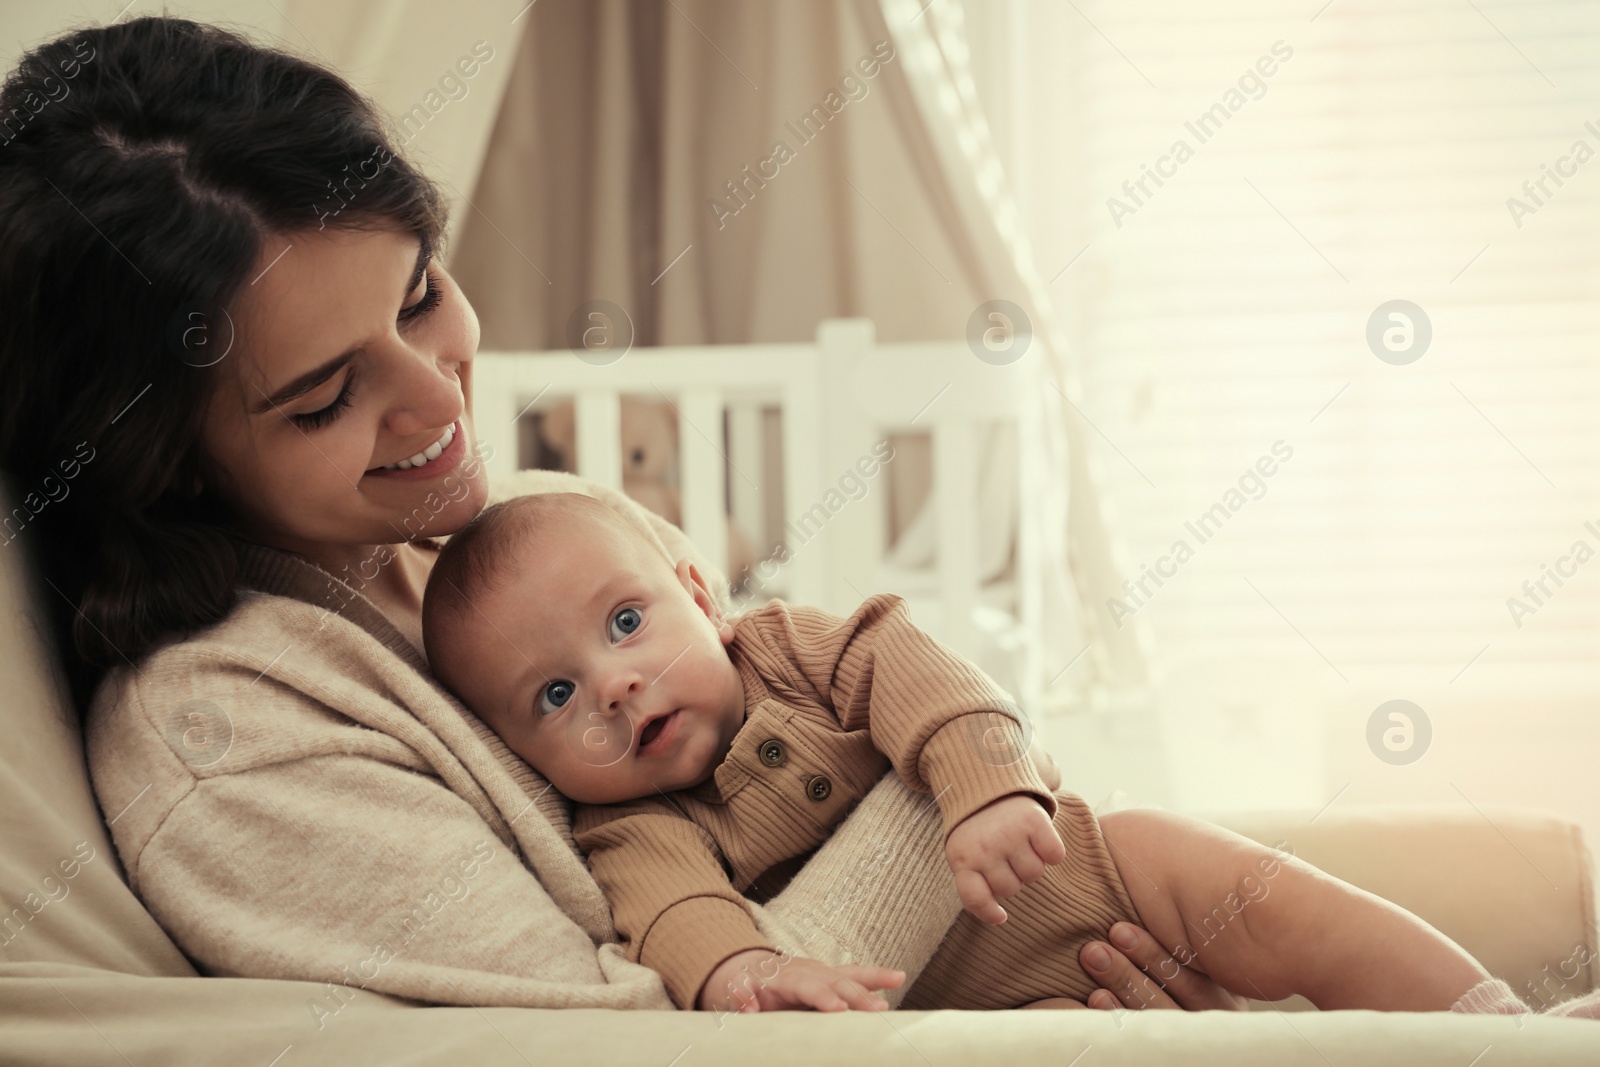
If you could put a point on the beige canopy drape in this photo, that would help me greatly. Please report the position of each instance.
(634, 158)
(438, 70)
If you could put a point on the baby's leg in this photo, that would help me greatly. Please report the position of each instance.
(1265, 925)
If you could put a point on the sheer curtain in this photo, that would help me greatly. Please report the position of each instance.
(437, 70)
(1228, 301)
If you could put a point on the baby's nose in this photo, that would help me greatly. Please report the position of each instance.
(620, 691)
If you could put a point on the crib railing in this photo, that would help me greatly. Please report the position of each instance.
(838, 398)
(701, 382)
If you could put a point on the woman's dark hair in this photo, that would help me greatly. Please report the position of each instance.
(143, 167)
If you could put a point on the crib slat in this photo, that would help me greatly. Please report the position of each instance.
(600, 437)
(701, 456)
(955, 492)
(746, 455)
(855, 537)
(807, 560)
(496, 404)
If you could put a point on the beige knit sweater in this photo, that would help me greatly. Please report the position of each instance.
(292, 795)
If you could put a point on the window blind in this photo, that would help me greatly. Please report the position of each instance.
(1225, 194)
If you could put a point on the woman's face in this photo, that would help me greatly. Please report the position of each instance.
(350, 358)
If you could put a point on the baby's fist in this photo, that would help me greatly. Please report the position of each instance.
(998, 849)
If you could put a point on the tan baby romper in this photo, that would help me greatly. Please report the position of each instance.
(831, 705)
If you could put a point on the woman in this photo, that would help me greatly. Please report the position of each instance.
(235, 393)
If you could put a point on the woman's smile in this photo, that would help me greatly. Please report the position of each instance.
(438, 459)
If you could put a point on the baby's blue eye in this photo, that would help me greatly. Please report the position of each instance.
(625, 622)
(555, 696)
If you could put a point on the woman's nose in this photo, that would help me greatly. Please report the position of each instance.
(427, 394)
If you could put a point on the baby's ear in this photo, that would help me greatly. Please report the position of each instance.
(695, 585)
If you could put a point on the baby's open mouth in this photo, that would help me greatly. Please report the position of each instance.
(653, 729)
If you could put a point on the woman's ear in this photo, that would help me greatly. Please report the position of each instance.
(695, 585)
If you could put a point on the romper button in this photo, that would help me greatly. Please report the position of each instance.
(819, 788)
(772, 753)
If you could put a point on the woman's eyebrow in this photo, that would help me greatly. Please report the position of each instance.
(313, 378)
(424, 253)
(305, 383)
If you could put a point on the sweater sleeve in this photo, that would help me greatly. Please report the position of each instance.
(945, 726)
(671, 900)
(361, 869)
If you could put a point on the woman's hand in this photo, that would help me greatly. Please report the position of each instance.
(1135, 972)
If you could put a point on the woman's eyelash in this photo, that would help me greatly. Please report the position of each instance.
(430, 300)
(312, 420)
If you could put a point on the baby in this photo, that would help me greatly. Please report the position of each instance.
(709, 757)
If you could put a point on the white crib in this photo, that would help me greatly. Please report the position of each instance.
(838, 398)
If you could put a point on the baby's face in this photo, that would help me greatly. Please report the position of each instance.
(602, 666)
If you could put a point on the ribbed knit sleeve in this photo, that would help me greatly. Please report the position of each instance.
(671, 901)
(945, 726)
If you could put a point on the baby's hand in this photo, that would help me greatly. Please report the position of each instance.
(758, 980)
(998, 849)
